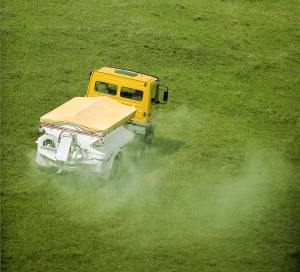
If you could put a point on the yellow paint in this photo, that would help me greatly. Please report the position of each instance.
(97, 114)
(127, 88)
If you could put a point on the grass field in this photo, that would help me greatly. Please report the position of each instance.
(219, 191)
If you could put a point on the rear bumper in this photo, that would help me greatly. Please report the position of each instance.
(89, 166)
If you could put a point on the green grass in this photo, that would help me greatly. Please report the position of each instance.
(219, 191)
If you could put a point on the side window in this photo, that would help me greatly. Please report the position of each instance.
(132, 94)
(106, 88)
(154, 95)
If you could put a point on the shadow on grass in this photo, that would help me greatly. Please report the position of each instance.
(165, 146)
(149, 161)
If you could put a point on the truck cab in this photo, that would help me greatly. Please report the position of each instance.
(130, 88)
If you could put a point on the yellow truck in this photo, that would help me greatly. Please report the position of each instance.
(118, 113)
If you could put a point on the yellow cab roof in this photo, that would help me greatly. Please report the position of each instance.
(127, 74)
(96, 114)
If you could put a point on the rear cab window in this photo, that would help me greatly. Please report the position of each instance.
(105, 88)
(132, 94)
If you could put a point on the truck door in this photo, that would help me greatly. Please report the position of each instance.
(153, 106)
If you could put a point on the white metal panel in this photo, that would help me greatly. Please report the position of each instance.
(63, 149)
(116, 139)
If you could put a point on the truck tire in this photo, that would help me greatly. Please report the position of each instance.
(149, 136)
(116, 169)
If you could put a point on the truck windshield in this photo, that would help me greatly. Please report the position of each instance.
(105, 88)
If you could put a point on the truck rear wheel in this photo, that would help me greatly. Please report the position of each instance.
(116, 168)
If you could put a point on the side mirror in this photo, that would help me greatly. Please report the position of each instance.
(166, 95)
(163, 94)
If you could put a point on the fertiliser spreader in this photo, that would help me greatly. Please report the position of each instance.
(90, 133)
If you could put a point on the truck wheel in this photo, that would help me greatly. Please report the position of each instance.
(116, 168)
(148, 140)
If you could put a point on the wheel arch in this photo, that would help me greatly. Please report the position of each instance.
(117, 153)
